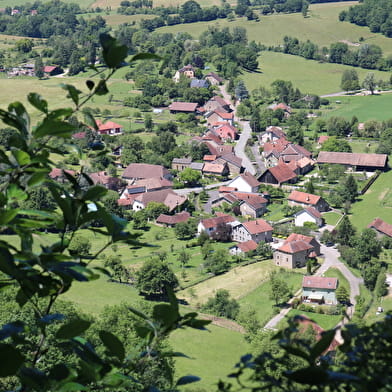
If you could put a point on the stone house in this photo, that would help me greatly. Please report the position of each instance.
(257, 230)
(303, 199)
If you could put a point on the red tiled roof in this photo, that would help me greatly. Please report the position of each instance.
(257, 226)
(49, 68)
(153, 183)
(312, 211)
(215, 168)
(173, 219)
(224, 189)
(231, 158)
(253, 199)
(165, 196)
(55, 173)
(79, 135)
(183, 106)
(108, 125)
(298, 237)
(276, 131)
(212, 136)
(354, 159)
(215, 221)
(282, 173)
(302, 197)
(319, 282)
(247, 246)
(294, 246)
(220, 100)
(381, 226)
(276, 146)
(227, 131)
(144, 170)
(322, 139)
(225, 116)
(209, 158)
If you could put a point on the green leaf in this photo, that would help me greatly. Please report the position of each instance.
(6, 216)
(72, 329)
(322, 345)
(19, 111)
(59, 113)
(73, 93)
(166, 314)
(138, 313)
(37, 178)
(21, 157)
(72, 387)
(113, 53)
(90, 84)
(39, 103)
(90, 121)
(52, 127)
(113, 344)
(14, 193)
(11, 360)
(187, 380)
(145, 56)
(101, 88)
(95, 193)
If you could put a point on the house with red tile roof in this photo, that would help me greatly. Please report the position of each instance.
(172, 220)
(294, 152)
(382, 228)
(109, 182)
(138, 171)
(109, 128)
(58, 174)
(303, 199)
(166, 196)
(233, 163)
(278, 175)
(217, 103)
(227, 132)
(308, 214)
(272, 134)
(318, 289)
(209, 158)
(183, 107)
(216, 116)
(52, 70)
(243, 248)
(215, 169)
(210, 225)
(295, 251)
(257, 230)
(322, 139)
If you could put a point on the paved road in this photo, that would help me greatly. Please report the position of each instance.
(331, 261)
(258, 159)
(239, 148)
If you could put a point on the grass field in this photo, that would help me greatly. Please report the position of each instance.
(212, 353)
(308, 75)
(322, 27)
(376, 107)
(260, 301)
(331, 218)
(335, 273)
(13, 3)
(376, 202)
(325, 321)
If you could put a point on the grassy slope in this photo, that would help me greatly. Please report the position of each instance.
(335, 273)
(213, 354)
(376, 202)
(323, 320)
(376, 107)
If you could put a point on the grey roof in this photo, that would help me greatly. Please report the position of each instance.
(200, 83)
(197, 165)
(185, 161)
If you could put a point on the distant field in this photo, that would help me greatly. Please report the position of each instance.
(376, 107)
(308, 75)
(12, 3)
(322, 27)
(376, 202)
(156, 3)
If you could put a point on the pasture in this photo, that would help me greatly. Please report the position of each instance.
(370, 107)
(308, 75)
(14, 3)
(325, 321)
(376, 202)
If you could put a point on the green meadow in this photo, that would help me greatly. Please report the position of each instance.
(376, 202)
(370, 107)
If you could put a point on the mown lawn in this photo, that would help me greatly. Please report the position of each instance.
(212, 353)
(259, 299)
(331, 218)
(376, 202)
(325, 321)
(376, 107)
(335, 273)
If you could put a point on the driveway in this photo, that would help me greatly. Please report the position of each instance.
(239, 148)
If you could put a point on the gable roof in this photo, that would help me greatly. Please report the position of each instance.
(173, 219)
(277, 131)
(282, 173)
(210, 223)
(216, 168)
(49, 68)
(153, 183)
(247, 246)
(165, 196)
(226, 130)
(311, 211)
(296, 149)
(354, 159)
(298, 237)
(257, 226)
(231, 158)
(381, 226)
(144, 170)
(322, 139)
(183, 106)
(199, 83)
(107, 125)
(215, 76)
(303, 197)
(55, 172)
(320, 282)
(294, 246)
(184, 161)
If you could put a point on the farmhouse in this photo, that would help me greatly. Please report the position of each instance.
(109, 128)
(51, 70)
(233, 163)
(215, 169)
(278, 175)
(181, 163)
(217, 103)
(308, 239)
(214, 79)
(245, 182)
(272, 134)
(309, 214)
(102, 178)
(382, 228)
(183, 107)
(294, 152)
(319, 289)
(210, 225)
(165, 196)
(59, 176)
(138, 171)
(226, 132)
(355, 161)
(243, 247)
(292, 254)
(219, 117)
(303, 199)
(257, 230)
(172, 220)
(187, 71)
